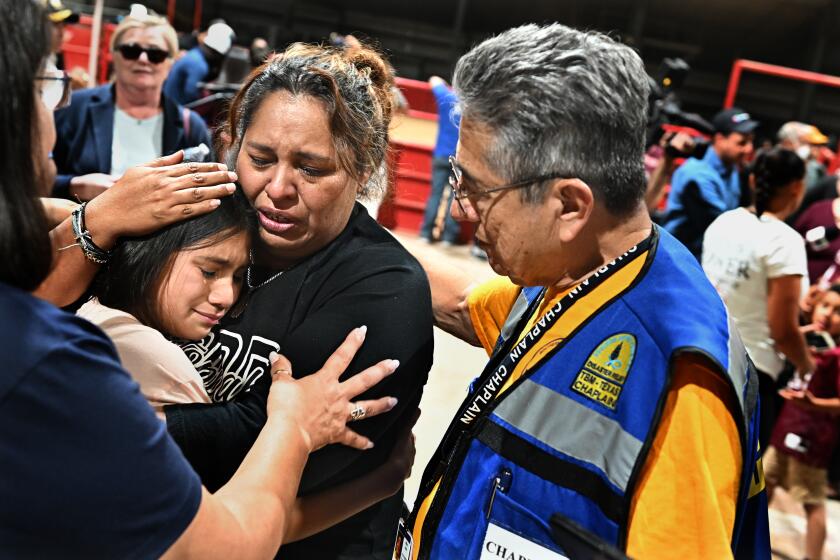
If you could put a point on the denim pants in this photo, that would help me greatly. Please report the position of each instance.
(440, 180)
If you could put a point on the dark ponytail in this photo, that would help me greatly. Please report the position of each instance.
(771, 171)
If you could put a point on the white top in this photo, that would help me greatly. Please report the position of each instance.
(740, 254)
(135, 141)
(163, 371)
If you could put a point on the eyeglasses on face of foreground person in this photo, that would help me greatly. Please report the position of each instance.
(54, 88)
(463, 189)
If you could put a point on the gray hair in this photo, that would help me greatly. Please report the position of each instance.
(558, 100)
(791, 131)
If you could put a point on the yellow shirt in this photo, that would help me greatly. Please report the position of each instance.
(686, 498)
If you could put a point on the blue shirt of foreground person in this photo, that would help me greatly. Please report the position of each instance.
(703, 189)
(62, 384)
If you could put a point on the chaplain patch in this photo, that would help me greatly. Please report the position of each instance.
(605, 370)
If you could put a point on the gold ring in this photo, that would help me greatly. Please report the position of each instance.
(285, 371)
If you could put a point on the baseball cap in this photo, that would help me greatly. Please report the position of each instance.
(59, 13)
(734, 120)
(813, 135)
(219, 37)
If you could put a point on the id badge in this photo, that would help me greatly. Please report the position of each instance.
(501, 543)
(404, 543)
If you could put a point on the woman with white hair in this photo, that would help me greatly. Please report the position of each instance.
(110, 128)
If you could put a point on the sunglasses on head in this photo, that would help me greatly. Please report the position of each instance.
(132, 51)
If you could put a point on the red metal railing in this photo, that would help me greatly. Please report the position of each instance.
(411, 168)
(742, 65)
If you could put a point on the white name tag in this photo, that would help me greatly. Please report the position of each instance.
(501, 544)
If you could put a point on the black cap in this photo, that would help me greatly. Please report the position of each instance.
(734, 120)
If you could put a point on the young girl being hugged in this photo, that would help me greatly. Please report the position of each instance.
(176, 283)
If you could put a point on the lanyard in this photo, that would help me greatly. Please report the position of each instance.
(504, 360)
(499, 368)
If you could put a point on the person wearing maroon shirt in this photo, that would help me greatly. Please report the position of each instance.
(825, 213)
(808, 430)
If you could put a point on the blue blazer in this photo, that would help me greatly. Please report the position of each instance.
(85, 131)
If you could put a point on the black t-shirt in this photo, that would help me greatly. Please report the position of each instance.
(364, 277)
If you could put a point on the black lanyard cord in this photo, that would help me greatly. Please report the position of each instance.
(504, 360)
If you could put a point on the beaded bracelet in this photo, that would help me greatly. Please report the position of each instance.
(91, 250)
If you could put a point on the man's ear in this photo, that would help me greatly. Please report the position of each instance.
(573, 202)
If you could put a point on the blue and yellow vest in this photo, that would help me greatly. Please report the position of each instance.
(571, 436)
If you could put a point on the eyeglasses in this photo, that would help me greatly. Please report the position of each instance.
(55, 92)
(132, 51)
(456, 181)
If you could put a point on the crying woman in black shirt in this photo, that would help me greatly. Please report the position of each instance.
(308, 136)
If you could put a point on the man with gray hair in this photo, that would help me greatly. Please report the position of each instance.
(619, 406)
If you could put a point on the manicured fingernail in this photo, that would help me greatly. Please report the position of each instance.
(369, 445)
(273, 356)
(215, 202)
(361, 332)
(394, 364)
(223, 167)
(392, 402)
(230, 187)
(233, 176)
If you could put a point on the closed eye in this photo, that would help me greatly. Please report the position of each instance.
(312, 171)
(258, 162)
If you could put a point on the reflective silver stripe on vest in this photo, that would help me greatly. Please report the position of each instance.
(556, 420)
(520, 306)
(738, 364)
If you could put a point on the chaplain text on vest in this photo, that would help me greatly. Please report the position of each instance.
(501, 365)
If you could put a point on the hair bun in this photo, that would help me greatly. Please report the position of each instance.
(368, 61)
(381, 75)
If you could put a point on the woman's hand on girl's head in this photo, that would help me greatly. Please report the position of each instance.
(151, 196)
(321, 404)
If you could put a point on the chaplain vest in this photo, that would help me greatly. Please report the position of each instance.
(571, 435)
